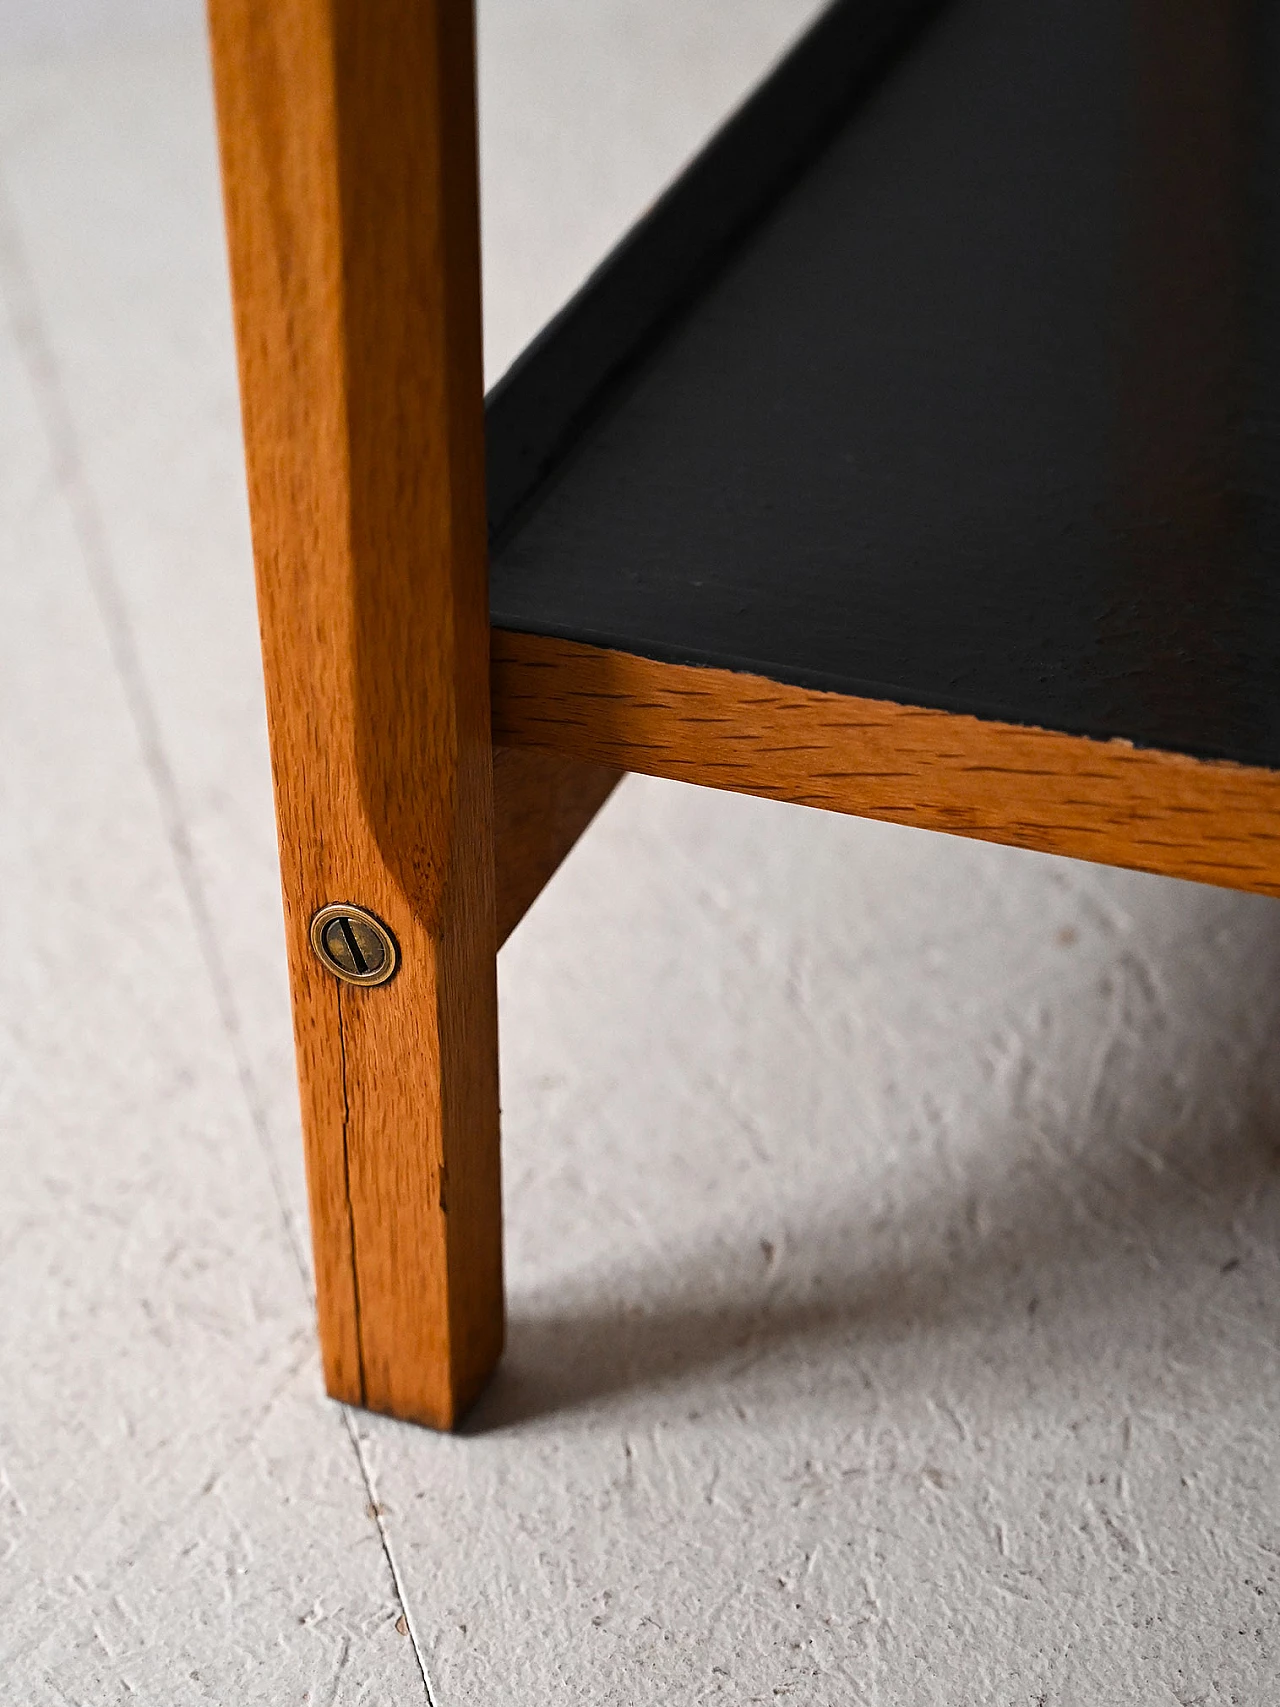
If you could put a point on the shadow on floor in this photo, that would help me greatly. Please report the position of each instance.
(1077, 1252)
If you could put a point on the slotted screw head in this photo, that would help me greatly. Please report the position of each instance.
(353, 944)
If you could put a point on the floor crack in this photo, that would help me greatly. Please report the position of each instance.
(376, 1511)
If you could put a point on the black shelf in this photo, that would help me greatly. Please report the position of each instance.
(950, 375)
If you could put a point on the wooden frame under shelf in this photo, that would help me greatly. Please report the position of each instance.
(1105, 801)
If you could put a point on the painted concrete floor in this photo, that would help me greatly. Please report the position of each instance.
(893, 1222)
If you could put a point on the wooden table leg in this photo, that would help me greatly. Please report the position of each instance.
(348, 140)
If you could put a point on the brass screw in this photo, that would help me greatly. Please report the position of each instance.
(353, 945)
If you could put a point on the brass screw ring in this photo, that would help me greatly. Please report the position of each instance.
(352, 944)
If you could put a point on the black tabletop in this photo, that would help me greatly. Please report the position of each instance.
(985, 415)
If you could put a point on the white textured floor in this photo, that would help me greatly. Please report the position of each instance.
(894, 1222)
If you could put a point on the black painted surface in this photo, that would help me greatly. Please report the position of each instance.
(986, 414)
(548, 396)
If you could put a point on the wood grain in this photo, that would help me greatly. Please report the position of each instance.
(349, 166)
(542, 802)
(1105, 801)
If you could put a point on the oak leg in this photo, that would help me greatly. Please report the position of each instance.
(349, 167)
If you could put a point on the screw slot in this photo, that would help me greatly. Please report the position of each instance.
(352, 944)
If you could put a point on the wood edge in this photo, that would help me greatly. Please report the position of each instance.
(1106, 801)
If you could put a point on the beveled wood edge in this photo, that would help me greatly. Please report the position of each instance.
(542, 802)
(1105, 801)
